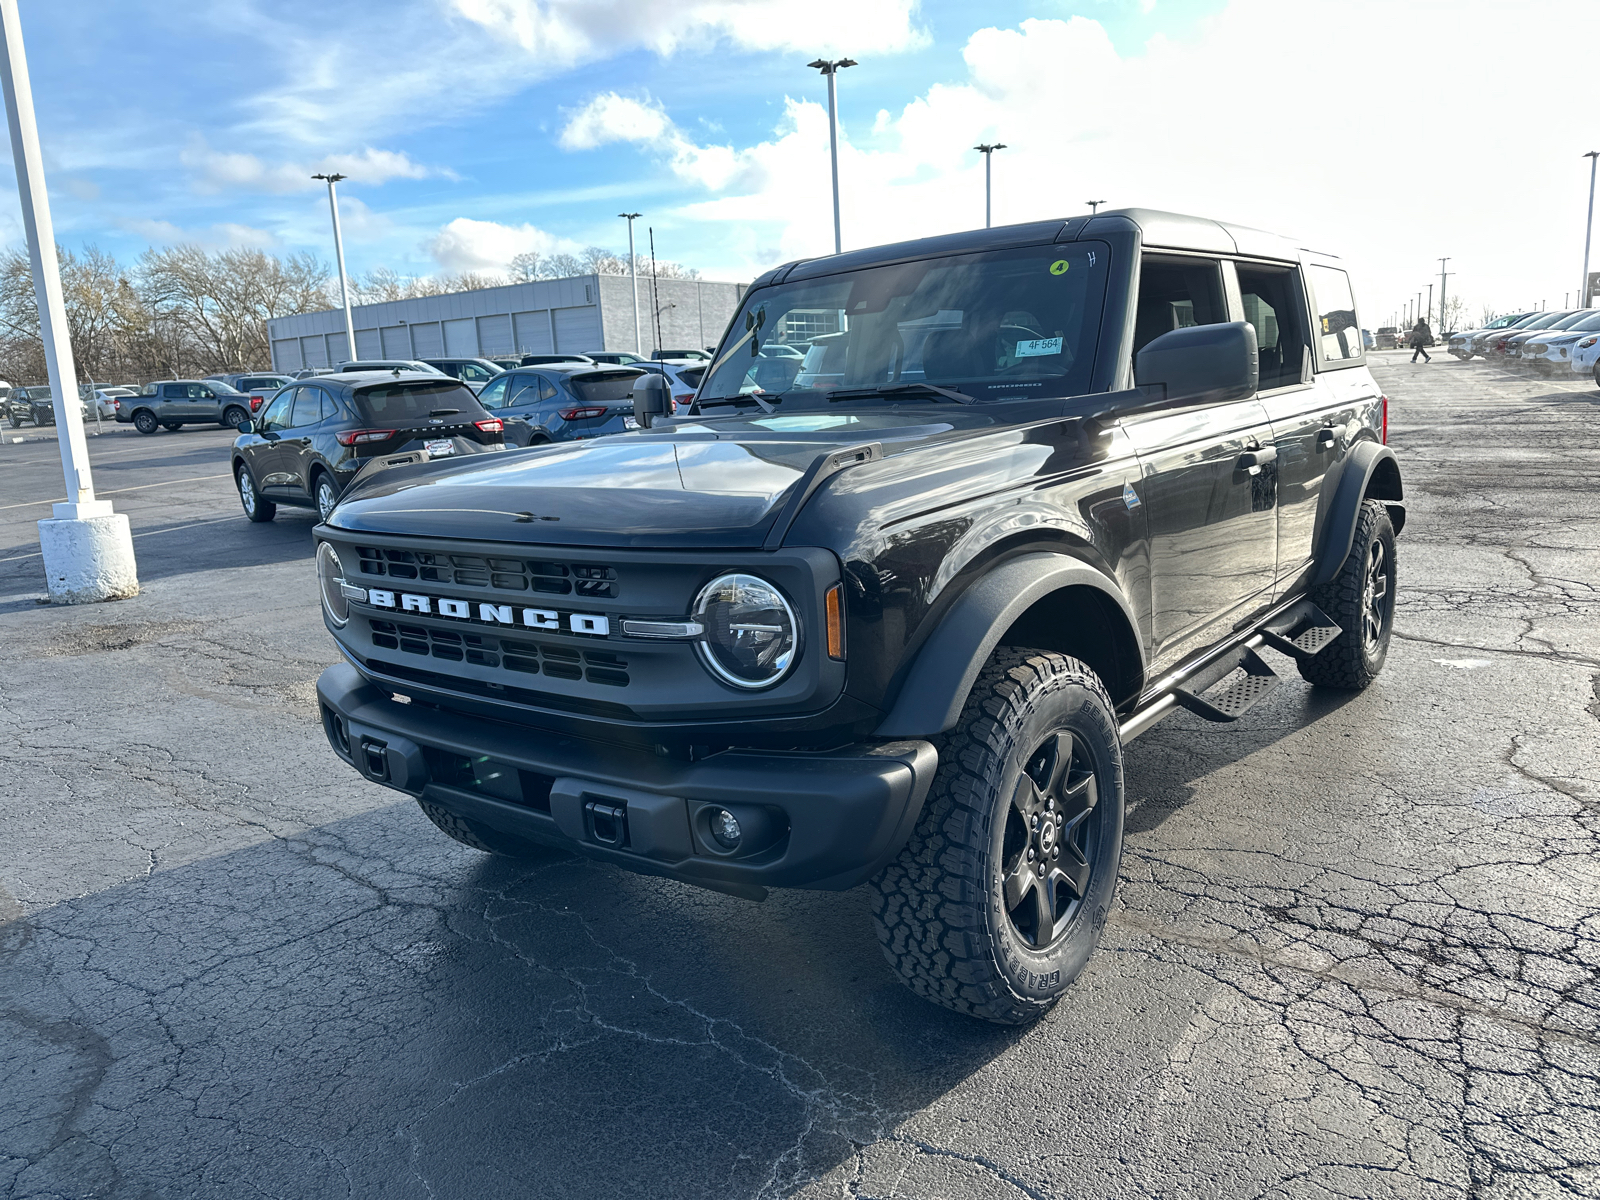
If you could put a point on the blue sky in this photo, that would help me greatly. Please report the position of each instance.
(473, 128)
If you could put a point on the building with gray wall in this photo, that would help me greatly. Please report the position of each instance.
(586, 312)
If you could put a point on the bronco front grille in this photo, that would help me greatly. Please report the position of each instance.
(512, 654)
(506, 574)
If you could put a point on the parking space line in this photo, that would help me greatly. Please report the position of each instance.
(141, 533)
(118, 491)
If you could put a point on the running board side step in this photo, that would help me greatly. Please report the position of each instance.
(1301, 631)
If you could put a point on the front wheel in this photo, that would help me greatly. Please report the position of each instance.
(255, 507)
(16, 421)
(482, 837)
(1360, 599)
(998, 899)
(327, 497)
(145, 421)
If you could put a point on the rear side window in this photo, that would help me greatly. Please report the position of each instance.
(407, 401)
(603, 386)
(1338, 327)
(308, 409)
(1273, 305)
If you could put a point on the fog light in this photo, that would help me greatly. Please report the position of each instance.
(725, 829)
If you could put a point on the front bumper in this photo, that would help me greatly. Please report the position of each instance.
(815, 819)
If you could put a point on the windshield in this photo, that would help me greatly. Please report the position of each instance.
(1000, 325)
(417, 401)
(1575, 321)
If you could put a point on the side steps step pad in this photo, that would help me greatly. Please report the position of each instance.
(1305, 639)
(1238, 698)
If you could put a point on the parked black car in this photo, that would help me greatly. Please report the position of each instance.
(313, 438)
(474, 372)
(30, 404)
(562, 402)
(173, 403)
(614, 358)
(888, 613)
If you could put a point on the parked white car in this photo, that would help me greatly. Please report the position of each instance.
(1550, 352)
(1585, 356)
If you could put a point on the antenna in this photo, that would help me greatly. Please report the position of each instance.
(655, 298)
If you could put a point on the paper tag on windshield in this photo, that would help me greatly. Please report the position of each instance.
(1039, 346)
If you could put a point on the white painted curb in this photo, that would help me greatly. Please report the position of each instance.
(88, 559)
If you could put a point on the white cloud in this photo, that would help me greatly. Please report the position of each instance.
(221, 170)
(1274, 113)
(566, 32)
(468, 245)
(225, 236)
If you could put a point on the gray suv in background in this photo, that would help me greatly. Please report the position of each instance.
(474, 372)
(174, 403)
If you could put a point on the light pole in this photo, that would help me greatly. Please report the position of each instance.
(338, 253)
(633, 270)
(87, 548)
(1430, 303)
(1094, 206)
(988, 149)
(1443, 275)
(1588, 228)
(831, 68)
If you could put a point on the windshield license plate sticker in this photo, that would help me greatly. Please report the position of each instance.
(1037, 347)
(439, 447)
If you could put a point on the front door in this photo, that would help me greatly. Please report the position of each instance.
(267, 460)
(204, 404)
(1207, 482)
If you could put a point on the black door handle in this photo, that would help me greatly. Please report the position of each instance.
(1252, 461)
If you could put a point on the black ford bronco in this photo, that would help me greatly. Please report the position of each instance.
(947, 524)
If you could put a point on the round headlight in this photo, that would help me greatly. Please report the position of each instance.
(751, 638)
(330, 575)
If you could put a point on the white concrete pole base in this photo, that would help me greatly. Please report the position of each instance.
(88, 558)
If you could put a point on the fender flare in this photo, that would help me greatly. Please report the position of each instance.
(1365, 461)
(941, 676)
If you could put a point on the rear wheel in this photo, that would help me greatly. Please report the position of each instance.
(145, 421)
(327, 496)
(255, 507)
(999, 897)
(1360, 598)
(234, 417)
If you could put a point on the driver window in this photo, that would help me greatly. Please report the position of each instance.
(1175, 293)
(277, 415)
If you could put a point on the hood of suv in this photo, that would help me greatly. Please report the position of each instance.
(717, 483)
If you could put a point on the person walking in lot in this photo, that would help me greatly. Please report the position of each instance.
(1421, 339)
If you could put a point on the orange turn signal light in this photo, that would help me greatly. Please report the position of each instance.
(834, 605)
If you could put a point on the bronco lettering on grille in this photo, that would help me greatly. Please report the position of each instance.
(490, 614)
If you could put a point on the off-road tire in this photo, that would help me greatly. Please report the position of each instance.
(233, 417)
(480, 837)
(255, 508)
(939, 908)
(1353, 659)
(145, 422)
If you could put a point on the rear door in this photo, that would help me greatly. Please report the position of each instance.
(1312, 405)
(174, 405)
(1207, 483)
(311, 407)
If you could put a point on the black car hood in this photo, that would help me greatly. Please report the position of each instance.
(713, 483)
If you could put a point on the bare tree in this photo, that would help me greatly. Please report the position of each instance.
(560, 266)
(524, 268)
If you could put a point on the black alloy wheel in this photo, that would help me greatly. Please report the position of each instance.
(234, 417)
(327, 497)
(1051, 835)
(1361, 600)
(255, 507)
(145, 421)
(997, 900)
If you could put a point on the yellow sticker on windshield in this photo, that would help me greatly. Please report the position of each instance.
(1059, 267)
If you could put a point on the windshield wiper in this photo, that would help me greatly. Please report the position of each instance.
(704, 402)
(904, 389)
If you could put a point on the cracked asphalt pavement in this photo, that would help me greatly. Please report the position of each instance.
(1355, 951)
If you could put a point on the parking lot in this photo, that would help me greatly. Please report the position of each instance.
(1356, 951)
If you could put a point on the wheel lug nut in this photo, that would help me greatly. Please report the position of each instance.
(1055, 852)
(1036, 820)
(1030, 853)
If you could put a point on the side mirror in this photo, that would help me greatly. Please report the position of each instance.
(247, 426)
(651, 399)
(1203, 364)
